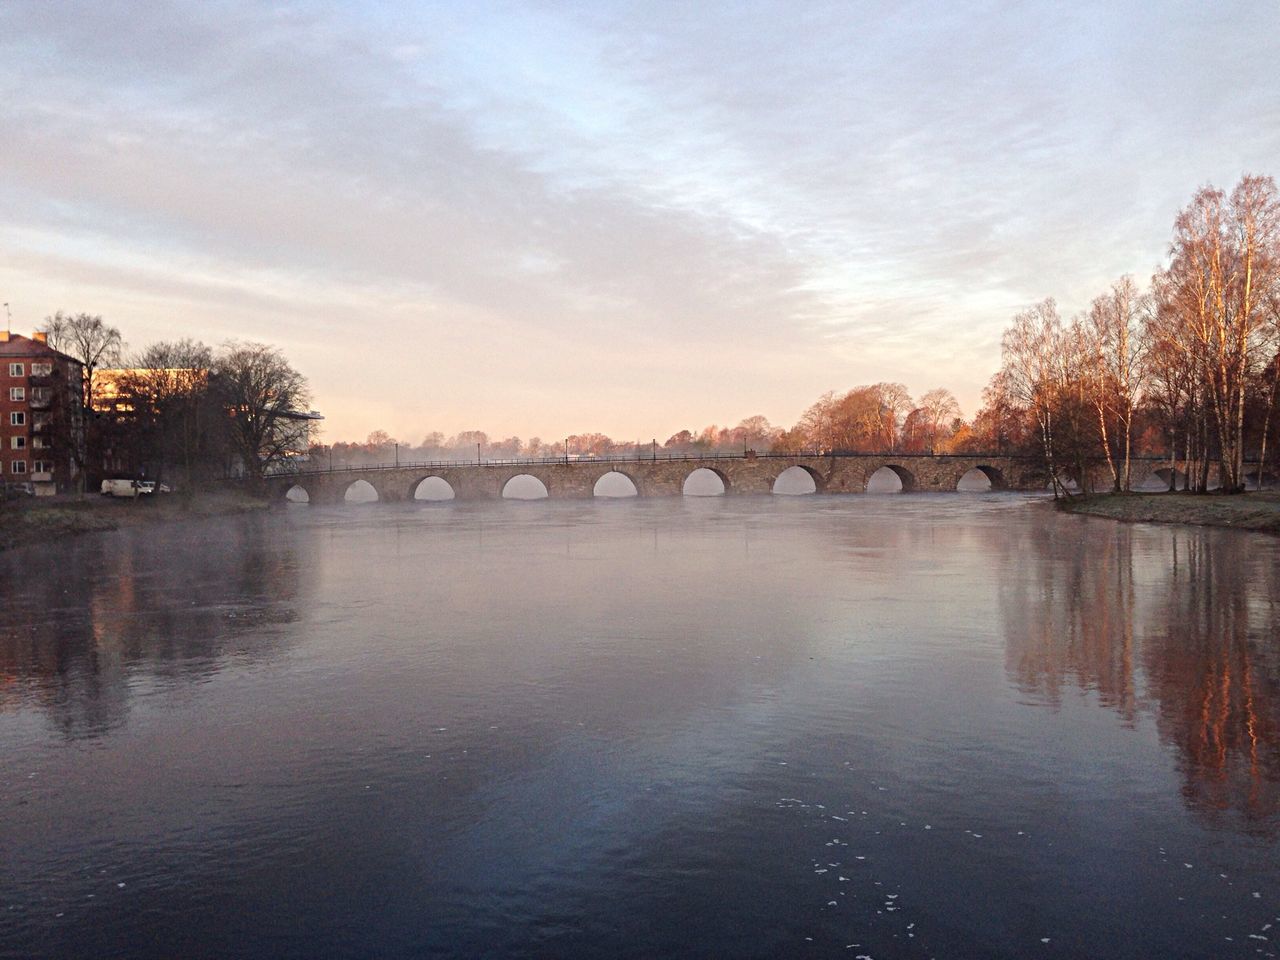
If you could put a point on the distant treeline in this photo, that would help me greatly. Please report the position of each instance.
(881, 416)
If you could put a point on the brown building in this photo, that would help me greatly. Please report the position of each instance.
(40, 414)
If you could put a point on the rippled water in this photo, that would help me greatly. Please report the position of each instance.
(927, 726)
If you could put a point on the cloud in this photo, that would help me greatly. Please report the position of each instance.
(573, 210)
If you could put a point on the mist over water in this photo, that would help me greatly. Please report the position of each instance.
(914, 726)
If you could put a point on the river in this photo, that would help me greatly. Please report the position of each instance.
(921, 726)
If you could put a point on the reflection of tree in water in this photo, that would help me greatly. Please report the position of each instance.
(1213, 668)
(115, 612)
(1070, 622)
(1203, 610)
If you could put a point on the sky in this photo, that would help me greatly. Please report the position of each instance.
(538, 219)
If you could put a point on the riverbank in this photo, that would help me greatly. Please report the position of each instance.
(31, 521)
(1245, 511)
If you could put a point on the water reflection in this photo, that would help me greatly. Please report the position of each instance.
(659, 727)
(1178, 624)
(1213, 666)
(94, 620)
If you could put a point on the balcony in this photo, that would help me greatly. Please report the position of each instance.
(42, 477)
(40, 403)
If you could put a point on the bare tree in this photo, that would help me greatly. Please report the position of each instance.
(895, 404)
(265, 400)
(1030, 373)
(1174, 390)
(86, 338)
(1270, 381)
(939, 408)
(1225, 265)
(755, 433)
(168, 388)
(1116, 346)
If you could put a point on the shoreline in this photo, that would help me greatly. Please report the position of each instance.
(1256, 511)
(26, 523)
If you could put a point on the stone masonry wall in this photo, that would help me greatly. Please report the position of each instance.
(656, 478)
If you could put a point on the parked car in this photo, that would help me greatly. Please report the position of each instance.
(119, 488)
(12, 490)
(133, 488)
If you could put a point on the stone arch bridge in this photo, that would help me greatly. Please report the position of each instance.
(663, 476)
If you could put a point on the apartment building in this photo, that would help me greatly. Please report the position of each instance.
(40, 414)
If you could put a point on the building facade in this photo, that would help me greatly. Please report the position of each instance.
(41, 420)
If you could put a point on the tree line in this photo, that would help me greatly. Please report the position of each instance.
(177, 410)
(881, 416)
(1187, 368)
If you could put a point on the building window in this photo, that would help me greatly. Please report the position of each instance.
(15, 370)
(18, 443)
(17, 419)
(17, 394)
(41, 369)
(40, 443)
(42, 466)
(18, 466)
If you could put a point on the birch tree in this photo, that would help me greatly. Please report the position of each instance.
(1029, 373)
(1116, 345)
(1224, 267)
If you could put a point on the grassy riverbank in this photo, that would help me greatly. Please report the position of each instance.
(1245, 511)
(31, 521)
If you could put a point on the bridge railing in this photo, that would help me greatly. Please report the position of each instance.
(294, 469)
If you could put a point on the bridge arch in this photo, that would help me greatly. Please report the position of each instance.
(297, 494)
(615, 484)
(797, 480)
(360, 491)
(525, 486)
(980, 478)
(1251, 479)
(1067, 481)
(1158, 480)
(432, 488)
(705, 482)
(891, 478)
